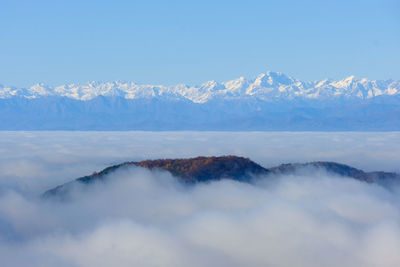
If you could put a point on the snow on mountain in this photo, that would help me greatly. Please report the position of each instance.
(266, 86)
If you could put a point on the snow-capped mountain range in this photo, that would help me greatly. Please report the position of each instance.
(271, 101)
(266, 86)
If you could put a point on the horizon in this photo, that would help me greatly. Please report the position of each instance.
(44, 83)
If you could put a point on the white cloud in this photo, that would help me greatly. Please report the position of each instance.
(143, 218)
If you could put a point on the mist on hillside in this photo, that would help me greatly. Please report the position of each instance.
(139, 217)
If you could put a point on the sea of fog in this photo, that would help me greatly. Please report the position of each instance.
(144, 218)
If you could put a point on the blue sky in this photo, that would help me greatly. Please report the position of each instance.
(191, 42)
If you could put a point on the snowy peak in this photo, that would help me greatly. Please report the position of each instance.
(279, 78)
(269, 79)
(266, 86)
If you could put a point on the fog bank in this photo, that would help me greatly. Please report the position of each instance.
(143, 218)
(52, 158)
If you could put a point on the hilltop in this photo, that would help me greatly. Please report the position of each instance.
(206, 169)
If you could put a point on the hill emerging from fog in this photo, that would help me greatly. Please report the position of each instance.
(271, 101)
(206, 169)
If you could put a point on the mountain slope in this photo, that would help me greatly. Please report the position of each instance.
(339, 169)
(116, 113)
(205, 169)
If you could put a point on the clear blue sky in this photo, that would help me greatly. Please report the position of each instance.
(191, 42)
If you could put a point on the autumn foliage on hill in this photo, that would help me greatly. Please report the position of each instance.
(206, 168)
(203, 169)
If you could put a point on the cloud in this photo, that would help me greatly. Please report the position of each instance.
(52, 158)
(143, 218)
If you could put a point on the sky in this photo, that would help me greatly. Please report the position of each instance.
(171, 42)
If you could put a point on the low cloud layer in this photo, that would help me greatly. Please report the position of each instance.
(35, 161)
(143, 218)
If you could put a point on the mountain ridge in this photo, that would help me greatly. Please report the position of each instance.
(206, 169)
(267, 86)
(271, 101)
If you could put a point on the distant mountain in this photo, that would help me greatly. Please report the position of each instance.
(266, 86)
(270, 102)
(205, 169)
